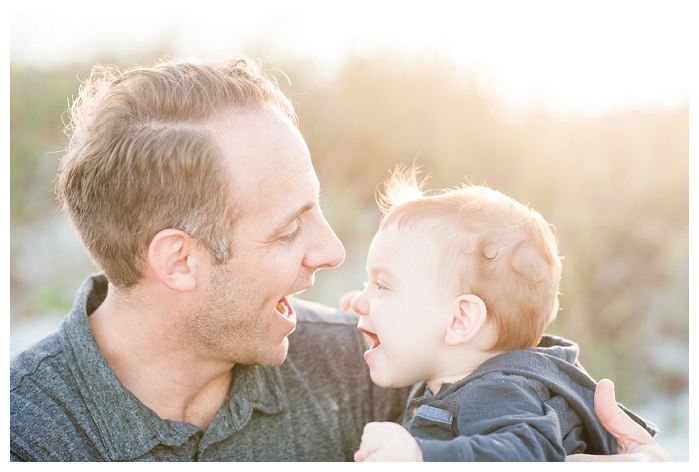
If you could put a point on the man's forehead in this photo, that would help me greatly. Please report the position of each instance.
(270, 168)
(255, 139)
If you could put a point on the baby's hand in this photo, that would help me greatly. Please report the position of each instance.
(346, 300)
(387, 442)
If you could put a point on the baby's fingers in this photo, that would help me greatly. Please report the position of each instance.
(366, 448)
(370, 443)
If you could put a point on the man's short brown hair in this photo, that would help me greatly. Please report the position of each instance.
(141, 158)
(490, 246)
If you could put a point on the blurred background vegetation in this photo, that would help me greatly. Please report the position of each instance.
(615, 186)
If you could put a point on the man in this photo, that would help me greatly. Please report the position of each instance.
(192, 189)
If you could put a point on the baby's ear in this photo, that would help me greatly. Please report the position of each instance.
(468, 316)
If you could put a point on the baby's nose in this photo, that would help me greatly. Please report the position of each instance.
(360, 304)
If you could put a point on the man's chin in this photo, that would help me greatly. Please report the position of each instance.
(275, 356)
(281, 353)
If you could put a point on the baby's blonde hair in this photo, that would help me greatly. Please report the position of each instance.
(490, 246)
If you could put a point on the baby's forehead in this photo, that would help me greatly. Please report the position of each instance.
(430, 241)
(443, 235)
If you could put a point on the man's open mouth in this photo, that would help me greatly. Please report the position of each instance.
(285, 316)
(283, 307)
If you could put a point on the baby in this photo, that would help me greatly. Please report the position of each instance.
(461, 286)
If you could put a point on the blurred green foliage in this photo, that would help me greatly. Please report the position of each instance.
(52, 298)
(616, 187)
(37, 103)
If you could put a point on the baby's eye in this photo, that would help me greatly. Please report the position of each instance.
(379, 285)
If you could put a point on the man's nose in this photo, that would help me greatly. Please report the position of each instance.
(327, 250)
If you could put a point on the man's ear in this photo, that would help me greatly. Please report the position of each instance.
(468, 316)
(174, 259)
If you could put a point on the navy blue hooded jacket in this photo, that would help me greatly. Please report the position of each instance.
(535, 404)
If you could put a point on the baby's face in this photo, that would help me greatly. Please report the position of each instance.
(403, 310)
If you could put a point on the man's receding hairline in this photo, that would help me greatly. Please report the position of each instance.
(235, 113)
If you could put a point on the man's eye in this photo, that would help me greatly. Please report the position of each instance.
(292, 236)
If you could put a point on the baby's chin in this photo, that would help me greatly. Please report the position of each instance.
(384, 382)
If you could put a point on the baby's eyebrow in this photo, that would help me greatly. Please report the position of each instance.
(380, 271)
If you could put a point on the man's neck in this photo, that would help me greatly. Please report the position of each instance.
(151, 360)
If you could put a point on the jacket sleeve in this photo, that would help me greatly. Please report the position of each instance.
(500, 418)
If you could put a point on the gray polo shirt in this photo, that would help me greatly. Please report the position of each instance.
(66, 404)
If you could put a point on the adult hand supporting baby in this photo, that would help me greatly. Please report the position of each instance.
(634, 444)
(387, 442)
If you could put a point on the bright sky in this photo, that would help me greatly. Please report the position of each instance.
(589, 56)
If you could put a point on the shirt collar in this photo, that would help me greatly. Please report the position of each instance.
(116, 410)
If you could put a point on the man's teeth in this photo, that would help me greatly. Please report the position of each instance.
(283, 309)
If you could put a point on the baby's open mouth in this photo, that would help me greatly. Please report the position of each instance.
(371, 338)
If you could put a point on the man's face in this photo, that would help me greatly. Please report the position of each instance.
(403, 309)
(279, 241)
